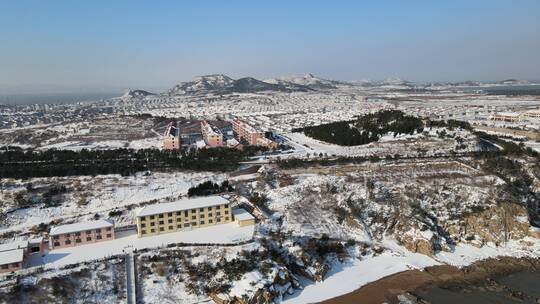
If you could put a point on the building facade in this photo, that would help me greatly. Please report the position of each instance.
(212, 136)
(171, 138)
(245, 132)
(81, 234)
(183, 215)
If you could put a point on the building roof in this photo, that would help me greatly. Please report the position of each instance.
(242, 215)
(11, 256)
(13, 246)
(83, 226)
(184, 204)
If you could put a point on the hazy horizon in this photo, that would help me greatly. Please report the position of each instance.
(102, 45)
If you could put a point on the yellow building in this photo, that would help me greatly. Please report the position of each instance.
(183, 215)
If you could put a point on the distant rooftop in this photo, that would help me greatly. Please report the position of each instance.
(242, 214)
(77, 227)
(184, 204)
(11, 256)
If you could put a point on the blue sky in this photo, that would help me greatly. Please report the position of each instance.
(155, 44)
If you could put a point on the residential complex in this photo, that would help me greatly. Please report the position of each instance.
(212, 136)
(81, 233)
(183, 214)
(171, 138)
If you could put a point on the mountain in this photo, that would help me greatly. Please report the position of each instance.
(308, 80)
(136, 94)
(221, 84)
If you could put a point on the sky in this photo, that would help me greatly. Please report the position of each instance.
(156, 44)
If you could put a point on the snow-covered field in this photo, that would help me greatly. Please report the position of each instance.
(107, 192)
(128, 241)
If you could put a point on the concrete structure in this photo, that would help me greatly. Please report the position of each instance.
(183, 214)
(532, 114)
(506, 116)
(212, 136)
(81, 233)
(171, 138)
(12, 256)
(243, 218)
(245, 132)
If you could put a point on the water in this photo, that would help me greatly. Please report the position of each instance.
(54, 98)
(525, 282)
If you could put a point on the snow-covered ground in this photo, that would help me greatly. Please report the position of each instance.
(107, 192)
(351, 275)
(127, 241)
(147, 143)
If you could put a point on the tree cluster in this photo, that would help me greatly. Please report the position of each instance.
(365, 129)
(209, 188)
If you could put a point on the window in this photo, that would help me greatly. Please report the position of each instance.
(193, 223)
(226, 218)
(152, 217)
(68, 242)
(170, 221)
(109, 235)
(210, 221)
(218, 213)
(152, 224)
(88, 239)
(78, 240)
(143, 231)
(98, 237)
(56, 244)
(88, 232)
(201, 215)
(186, 213)
(98, 230)
(201, 222)
(160, 216)
(169, 214)
(218, 219)
(143, 218)
(108, 228)
(161, 222)
(15, 264)
(161, 229)
(186, 225)
(226, 211)
(152, 230)
(77, 234)
(178, 213)
(179, 226)
(143, 225)
(5, 266)
(56, 237)
(170, 227)
(201, 210)
(67, 235)
(193, 217)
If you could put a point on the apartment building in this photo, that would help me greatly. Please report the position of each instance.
(506, 116)
(243, 131)
(183, 214)
(212, 136)
(81, 233)
(171, 138)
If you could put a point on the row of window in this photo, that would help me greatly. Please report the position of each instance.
(179, 225)
(193, 217)
(87, 232)
(186, 213)
(88, 239)
(14, 265)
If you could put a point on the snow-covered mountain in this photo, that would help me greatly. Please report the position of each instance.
(136, 94)
(308, 80)
(222, 84)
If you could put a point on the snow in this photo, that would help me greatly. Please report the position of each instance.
(184, 204)
(82, 226)
(219, 234)
(351, 275)
(11, 256)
